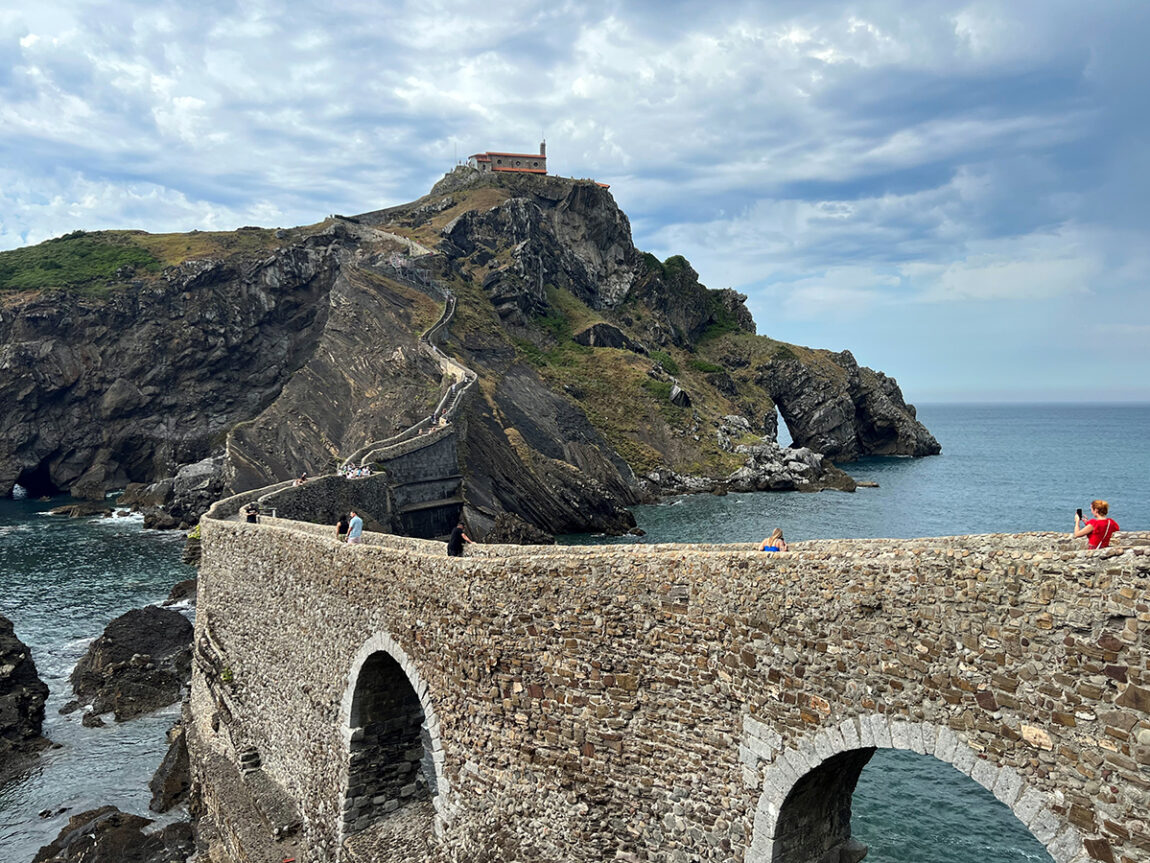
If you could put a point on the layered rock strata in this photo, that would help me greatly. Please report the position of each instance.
(596, 364)
(22, 697)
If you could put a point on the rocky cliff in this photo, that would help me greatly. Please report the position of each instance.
(22, 697)
(272, 353)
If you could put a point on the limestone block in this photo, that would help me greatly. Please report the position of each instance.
(849, 730)
(750, 777)
(1029, 805)
(964, 759)
(900, 735)
(984, 773)
(1008, 785)
(947, 745)
(1044, 826)
(1066, 843)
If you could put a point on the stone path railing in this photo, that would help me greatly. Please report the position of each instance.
(426, 432)
(449, 403)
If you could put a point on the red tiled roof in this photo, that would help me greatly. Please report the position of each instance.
(514, 155)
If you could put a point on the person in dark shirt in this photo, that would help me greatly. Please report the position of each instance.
(455, 542)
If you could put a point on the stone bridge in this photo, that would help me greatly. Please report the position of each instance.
(656, 702)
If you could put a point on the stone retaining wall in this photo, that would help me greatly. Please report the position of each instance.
(665, 702)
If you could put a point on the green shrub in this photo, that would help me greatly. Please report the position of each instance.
(659, 389)
(80, 262)
(674, 265)
(704, 366)
(653, 264)
(664, 359)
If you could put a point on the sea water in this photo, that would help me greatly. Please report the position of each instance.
(62, 581)
(1003, 469)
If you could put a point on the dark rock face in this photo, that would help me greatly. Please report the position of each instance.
(563, 478)
(107, 835)
(603, 335)
(183, 592)
(101, 393)
(22, 697)
(513, 530)
(845, 411)
(142, 662)
(172, 779)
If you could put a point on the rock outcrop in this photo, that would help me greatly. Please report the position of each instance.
(278, 353)
(22, 697)
(172, 779)
(107, 835)
(141, 663)
(102, 392)
(845, 411)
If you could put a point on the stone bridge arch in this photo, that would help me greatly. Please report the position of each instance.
(392, 742)
(804, 814)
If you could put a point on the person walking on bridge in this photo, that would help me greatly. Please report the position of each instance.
(455, 542)
(355, 529)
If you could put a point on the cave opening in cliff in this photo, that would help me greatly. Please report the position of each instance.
(37, 481)
(784, 436)
(390, 766)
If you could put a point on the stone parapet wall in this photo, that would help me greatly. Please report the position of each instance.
(659, 702)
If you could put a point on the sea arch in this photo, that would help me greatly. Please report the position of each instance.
(392, 738)
(809, 785)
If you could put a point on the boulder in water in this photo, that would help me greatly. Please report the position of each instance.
(106, 834)
(83, 509)
(22, 697)
(141, 663)
(173, 778)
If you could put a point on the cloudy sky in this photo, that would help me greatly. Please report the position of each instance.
(956, 192)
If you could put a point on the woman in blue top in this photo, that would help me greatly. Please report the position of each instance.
(775, 541)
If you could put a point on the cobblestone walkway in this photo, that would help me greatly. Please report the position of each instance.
(405, 836)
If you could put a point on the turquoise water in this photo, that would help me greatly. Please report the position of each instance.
(63, 581)
(1003, 469)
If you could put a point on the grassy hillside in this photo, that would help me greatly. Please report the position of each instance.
(93, 263)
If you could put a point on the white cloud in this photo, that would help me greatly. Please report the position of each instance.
(836, 156)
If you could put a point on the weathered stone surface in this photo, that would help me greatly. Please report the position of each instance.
(604, 335)
(609, 675)
(844, 410)
(141, 663)
(22, 697)
(107, 835)
(172, 778)
(511, 530)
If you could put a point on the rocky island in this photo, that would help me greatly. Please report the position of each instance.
(193, 365)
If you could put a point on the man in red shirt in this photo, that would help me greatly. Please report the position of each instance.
(1099, 529)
